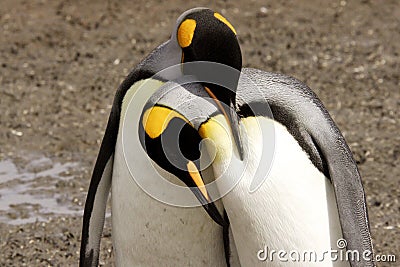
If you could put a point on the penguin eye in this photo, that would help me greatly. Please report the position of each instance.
(186, 32)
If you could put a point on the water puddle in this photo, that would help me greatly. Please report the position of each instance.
(35, 192)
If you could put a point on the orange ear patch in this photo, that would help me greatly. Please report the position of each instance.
(156, 120)
(186, 32)
(225, 21)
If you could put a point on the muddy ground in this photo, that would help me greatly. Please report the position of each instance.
(61, 61)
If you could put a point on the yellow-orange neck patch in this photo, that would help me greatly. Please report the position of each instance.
(186, 32)
(156, 119)
(224, 20)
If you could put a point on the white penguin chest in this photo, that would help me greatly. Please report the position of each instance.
(294, 208)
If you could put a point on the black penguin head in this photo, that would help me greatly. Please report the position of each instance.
(205, 35)
(170, 140)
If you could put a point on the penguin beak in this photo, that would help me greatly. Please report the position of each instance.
(232, 117)
(201, 194)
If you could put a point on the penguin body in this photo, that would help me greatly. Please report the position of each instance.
(146, 231)
(310, 194)
(294, 105)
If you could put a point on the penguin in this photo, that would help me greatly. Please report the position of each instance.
(287, 178)
(296, 189)
(308, 194)
(145, 231)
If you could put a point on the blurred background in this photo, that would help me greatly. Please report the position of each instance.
(61, 62)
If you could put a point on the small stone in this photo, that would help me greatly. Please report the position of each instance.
(263, 10)
(17, 133)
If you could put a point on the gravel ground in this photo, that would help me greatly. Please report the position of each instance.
(61, 61)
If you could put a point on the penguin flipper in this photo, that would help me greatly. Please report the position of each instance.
(96, 201)
(349, 192)
(295, 105)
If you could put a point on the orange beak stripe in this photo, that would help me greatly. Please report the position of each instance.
(194, 173)
(211, 94)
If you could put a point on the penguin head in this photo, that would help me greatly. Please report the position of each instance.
(205, 35)
(171, 140)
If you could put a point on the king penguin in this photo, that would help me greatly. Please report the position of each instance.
(294, 197)
(289, 184)
(145, 231)
(297, 188)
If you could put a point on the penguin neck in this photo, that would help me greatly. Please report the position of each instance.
(164, 61)
(221, 147)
